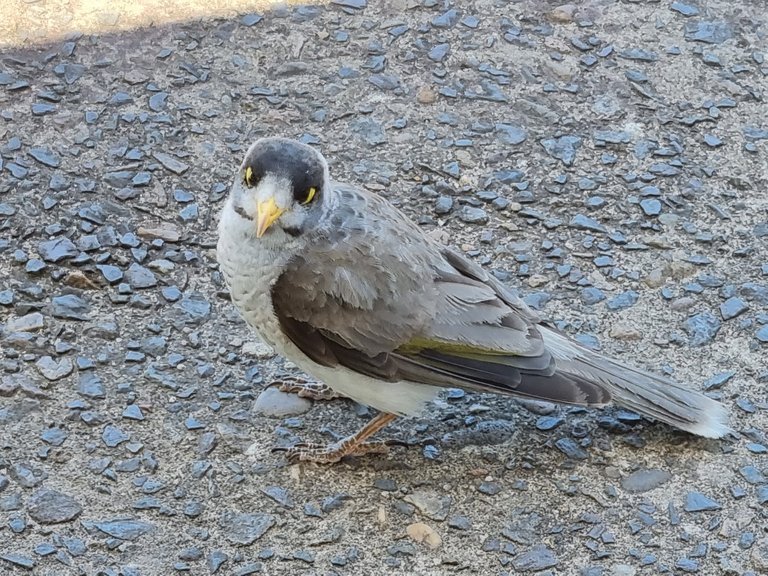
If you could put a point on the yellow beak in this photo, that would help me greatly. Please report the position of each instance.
(266, 213)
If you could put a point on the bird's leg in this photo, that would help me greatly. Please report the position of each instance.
(311, 390)
(354, 445)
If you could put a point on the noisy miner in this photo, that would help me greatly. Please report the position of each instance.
(339, 281)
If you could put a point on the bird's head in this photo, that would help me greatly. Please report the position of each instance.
(280, 186)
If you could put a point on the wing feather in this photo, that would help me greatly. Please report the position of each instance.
(376, 295)
(389, 303)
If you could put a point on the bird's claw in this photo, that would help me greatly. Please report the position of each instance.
(331, 453)
(311, 390)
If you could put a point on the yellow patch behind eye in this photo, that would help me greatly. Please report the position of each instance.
(248, 175)
(310, 195)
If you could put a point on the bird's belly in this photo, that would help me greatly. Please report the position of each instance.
(401, 398)
(250, 279)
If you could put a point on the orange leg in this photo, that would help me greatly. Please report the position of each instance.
(354, 445)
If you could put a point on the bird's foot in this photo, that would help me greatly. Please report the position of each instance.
(355, 445)
(311, 390)
(331, 453)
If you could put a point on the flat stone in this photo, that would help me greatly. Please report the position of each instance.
(171, 162)
(443, 205)
(251, 19)
(57, 250)
(447, 19)
(354, 4)
(193, 309)
(26, 476)
(45, 156)
(133, 412)
(571, 449)
(18, 560)
(370, 131)
(697, 502)
(485, 433)
(245, 529)
(125, 528)
(423, 533)
(119, 178)
(718, 380)
(157, 101)
(279, 495)
(52, 507)
(684, 8)
(563, 148)
(54, 436)
(112, 436)
(54, 370)
(511, 134)
(430, 503)
(439, 52)
(112, 274)
(167, 231)
(472, 215)
(640, 54)
(625, 331)
(752, 475)
(582, 222)
(645, 479)
(624, 300)
(651, 206)
(702, 328)
(70, 307)
(91, 386)
(27, 323)
(733, 307)
(708, 32)
(6, 297)
(272, 402)
(545, 423)
(536, 559)
(140, 277)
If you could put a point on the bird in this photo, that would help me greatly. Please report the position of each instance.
(341, 282)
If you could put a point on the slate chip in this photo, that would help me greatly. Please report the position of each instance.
(129, 529)
(718, 380)
(171, 163)
(473, 215)
(45, 156)
(563, 148)
(140, 277)
(698, 502)
(245, 528)
(57, 250)
(582, 222)
(571, 449)
(708, 32)
(536, 559)
(733, 307)
(52, 507)
(113, 436)
(70, 307)
(702, 328)
(644, 480)
(18, 559)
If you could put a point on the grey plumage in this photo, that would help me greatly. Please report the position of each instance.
(361, 288)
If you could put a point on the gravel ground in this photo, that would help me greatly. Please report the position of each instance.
(608, 159)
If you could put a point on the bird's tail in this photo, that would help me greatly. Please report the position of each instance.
(648, 394)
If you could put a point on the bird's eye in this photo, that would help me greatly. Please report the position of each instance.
(248, 176)
(310, 195)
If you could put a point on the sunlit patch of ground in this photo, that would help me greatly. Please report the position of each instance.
(24, 22)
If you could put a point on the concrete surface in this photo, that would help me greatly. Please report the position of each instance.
(609, 159)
